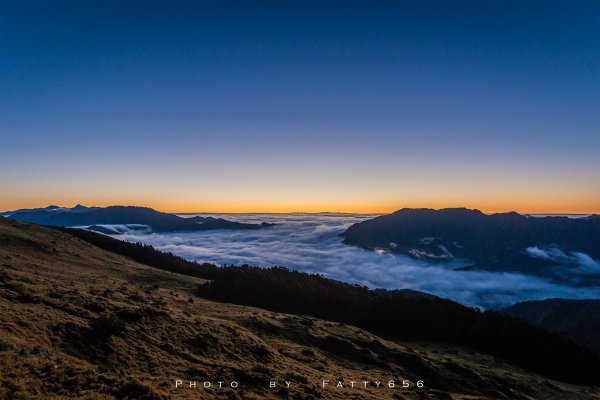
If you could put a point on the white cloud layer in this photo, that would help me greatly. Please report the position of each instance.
(578, 263)
(311, 243)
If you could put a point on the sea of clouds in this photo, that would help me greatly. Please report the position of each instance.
(312, 243)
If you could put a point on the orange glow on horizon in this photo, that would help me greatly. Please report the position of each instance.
(171, 206)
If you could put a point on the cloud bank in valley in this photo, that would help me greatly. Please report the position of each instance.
(311, 243)
(579, 263)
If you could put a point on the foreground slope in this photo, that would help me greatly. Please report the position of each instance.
(396, 314)
(80, 322)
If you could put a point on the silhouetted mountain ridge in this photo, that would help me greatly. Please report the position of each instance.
(544, 246)
(123, 215)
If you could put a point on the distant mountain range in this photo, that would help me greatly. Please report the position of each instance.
(579, 320)
(562, 248)
(116, 219)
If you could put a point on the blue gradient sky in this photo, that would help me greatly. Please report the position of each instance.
(312, 106)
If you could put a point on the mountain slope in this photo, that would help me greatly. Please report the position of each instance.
(576, 319)
(397, 314)
(80, 322)
(123, 215)
(559, 248)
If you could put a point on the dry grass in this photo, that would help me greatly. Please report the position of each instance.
(77, 322)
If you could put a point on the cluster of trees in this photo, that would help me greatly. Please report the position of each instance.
(398, 314)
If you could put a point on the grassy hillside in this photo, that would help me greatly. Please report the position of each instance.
(395, 314)
(80, 322)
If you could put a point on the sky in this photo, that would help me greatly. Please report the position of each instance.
(301, 106)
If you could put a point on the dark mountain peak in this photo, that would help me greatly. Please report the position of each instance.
(82, 216)
(497, 242)
(461, 212)
(132, 209)
(412, 210)
(454, 211)
(51, 207)
(267, 224)
(593, 216)
(121, 207)
(80, 209)
(511, 215)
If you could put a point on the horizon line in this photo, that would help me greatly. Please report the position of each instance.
(375, 213)
(330, 211)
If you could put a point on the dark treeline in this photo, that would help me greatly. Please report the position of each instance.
(399, 315)
(393, 314)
